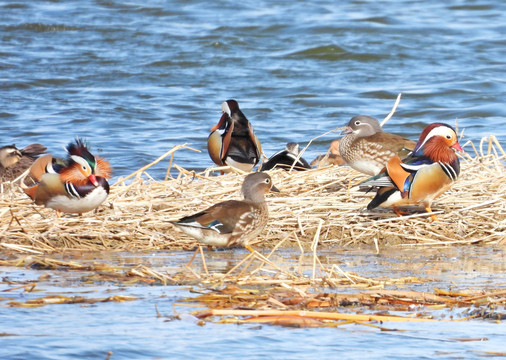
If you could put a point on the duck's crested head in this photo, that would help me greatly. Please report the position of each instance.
(444, 134)
(438, 141)
(78, 150)
(82, 163)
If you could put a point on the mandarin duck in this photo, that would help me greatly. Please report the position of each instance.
(232, 141)
(284, 159)
(367, 148)
(421, 177)
(14, 162)
(332, 157)
(75, 185)
(233, 222)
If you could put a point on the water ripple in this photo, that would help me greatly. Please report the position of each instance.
(40, 28)
(108, 69)
(334, 53)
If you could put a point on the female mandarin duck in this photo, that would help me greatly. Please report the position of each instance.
(14, 161)
(232, 222)
(284, 159)
(75, 185)
(367, 148)
(232, 141)
(425, 174)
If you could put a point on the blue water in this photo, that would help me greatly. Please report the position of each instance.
(136, 78)
(131, 329)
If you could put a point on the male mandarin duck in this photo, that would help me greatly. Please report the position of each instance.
(421, 177)
(232, 222)
(14, 161)
(332, 157)
(367, 148)
(75, 185)
(284, 159)
(232, 141)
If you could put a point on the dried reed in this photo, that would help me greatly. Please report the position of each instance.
(315, 208)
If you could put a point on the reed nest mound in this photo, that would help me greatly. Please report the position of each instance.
(320, 206)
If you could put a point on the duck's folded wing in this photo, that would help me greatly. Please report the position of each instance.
(396, 173)
(221, 217)
(380, 180)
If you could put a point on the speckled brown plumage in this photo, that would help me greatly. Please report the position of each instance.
(233, 222)
(367, 148)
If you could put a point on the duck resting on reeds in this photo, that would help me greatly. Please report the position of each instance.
(287, 159)
(233, 222)
(77, 184)
(14, 161)
(425, 174)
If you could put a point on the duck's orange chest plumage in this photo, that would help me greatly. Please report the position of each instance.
(75, 185)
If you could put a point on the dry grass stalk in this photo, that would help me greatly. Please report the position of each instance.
(312, 205)
(308, 314)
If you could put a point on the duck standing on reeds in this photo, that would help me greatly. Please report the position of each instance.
(232, 141)
(367, 148)
(286, 158)
(233, 222)
(75, 185)
(14, 161)
(425, 174)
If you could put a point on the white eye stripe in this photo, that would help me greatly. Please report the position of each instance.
(439, 131)
(80, 161)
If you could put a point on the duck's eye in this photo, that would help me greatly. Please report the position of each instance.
(84, 168)
(267, 181)
(448, 137)
(357, 122)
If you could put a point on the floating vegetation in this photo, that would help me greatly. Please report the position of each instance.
(58, 299)
(260, 291)
(277, 305)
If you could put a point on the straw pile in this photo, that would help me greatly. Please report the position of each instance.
(315, 208)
